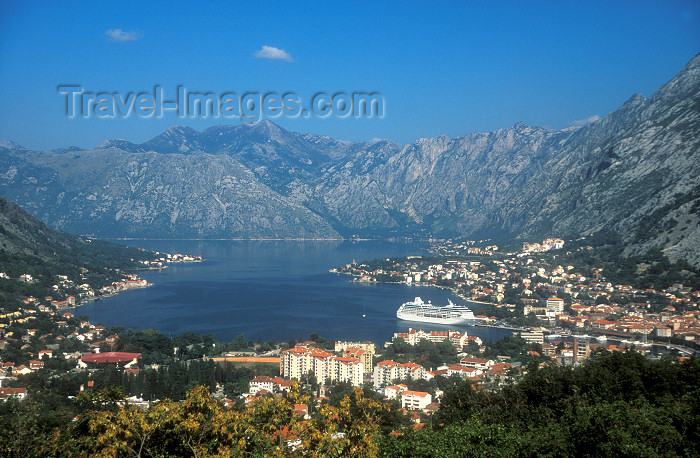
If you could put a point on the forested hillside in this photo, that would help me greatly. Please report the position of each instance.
(28, 246)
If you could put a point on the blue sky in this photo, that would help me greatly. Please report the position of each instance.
(450, 68)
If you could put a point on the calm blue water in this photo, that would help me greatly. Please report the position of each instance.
(269, 289)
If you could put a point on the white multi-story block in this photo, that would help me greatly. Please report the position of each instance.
(394, 391)
(415, 400)
(555, 306)
(387, 371)
(301, 360)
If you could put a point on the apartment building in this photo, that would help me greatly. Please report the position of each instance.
(387, 371)
(301, 360)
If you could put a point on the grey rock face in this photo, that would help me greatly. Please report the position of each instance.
(635, 172)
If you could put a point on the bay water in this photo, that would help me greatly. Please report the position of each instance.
(266, 290)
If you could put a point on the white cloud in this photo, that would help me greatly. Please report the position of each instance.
(583, 122)
(119, 35)
(270, 52)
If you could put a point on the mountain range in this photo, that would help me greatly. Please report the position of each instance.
(635, 173)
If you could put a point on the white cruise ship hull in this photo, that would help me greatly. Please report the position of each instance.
(436, 320)
(450, 314)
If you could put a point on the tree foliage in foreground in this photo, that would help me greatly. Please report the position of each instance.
(615, 404)
(200, 427)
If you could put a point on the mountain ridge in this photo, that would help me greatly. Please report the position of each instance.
(634, 172)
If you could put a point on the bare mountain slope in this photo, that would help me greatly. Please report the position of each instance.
(635, 172)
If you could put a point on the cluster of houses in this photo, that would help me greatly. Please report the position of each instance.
(634, 320)
(468, 247)
(459, 339)
(591, 303)
(546, 245)
(167, 258)
(40, 347)
(130, 281)
(91, 339)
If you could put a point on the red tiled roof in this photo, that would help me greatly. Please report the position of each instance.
(420, 394)
(110, 357)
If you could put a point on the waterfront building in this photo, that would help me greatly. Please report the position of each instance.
(533, 336)
(458, 339)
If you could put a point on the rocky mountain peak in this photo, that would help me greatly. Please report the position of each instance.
(634, 172)
(174, 140)
(120, 144)
(9, 144)
(686, 84)
(265, 131)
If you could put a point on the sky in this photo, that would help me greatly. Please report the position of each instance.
(441, 68)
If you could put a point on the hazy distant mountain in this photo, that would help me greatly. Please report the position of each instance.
(635, 172)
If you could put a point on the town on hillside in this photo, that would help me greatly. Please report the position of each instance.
(531, 292)
(558, 315)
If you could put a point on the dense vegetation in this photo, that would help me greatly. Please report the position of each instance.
(27, 246)
(615, 404)
(653, 269)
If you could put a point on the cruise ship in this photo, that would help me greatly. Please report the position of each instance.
(429, 313)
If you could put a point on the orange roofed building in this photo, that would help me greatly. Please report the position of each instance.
(301, 360)
(111, 357)
(387, 371)
(270, 384)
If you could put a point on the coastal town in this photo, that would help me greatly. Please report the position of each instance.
(557, 314)
(445, 229)
(530, 286)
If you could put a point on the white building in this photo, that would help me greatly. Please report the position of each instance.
(415, 400)
(270, 384)
(463, 371)
(394, 391)
(301, 360)
(476, 363)
(555, 306)
(533, 336)
(387, 371)
(413, 336)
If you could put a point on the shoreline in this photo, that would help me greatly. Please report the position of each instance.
(237, 239)
(273, 239)
(451, 290)
(86, 301)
